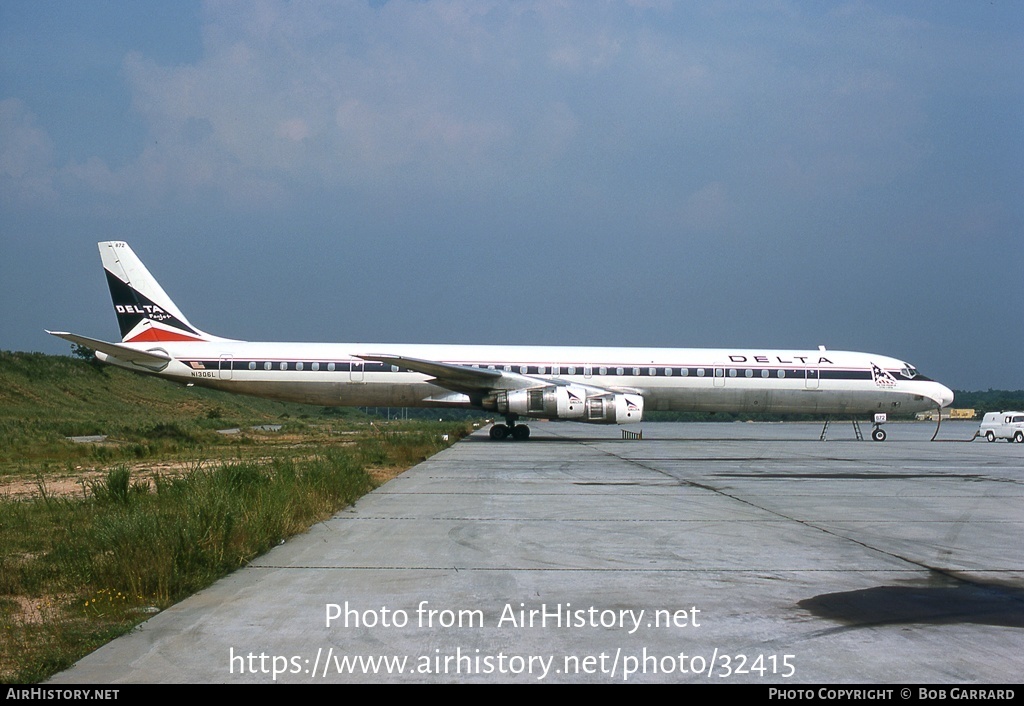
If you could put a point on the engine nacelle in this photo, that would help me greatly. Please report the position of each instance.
(614, 409)
(554, 402)
(568, 402)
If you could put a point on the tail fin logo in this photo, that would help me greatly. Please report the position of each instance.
(136, 315)
(153, 312)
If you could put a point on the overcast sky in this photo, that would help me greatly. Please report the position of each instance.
(723, 174)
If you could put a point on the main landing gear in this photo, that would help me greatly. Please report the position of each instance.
(519, 432)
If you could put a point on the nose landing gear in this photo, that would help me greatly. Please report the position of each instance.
(878, 433)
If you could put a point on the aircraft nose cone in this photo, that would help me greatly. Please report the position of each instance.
(944, 396)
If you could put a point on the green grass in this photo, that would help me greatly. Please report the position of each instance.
(44, 399)
(164, 545)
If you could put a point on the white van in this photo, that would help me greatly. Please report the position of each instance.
(1003, 425)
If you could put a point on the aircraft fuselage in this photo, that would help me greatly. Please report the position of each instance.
(669, 379)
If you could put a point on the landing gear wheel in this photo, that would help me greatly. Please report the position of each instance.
(990, 436)
(499, 432)
(878, 434)
(520, 432)
(1019, 437)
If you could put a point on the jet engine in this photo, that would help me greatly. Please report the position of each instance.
(614, 409)
(568, 402)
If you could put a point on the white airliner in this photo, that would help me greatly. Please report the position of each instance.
(597, 385)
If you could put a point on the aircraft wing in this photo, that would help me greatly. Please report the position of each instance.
(467, 379)
(151, 360)
(461, 378)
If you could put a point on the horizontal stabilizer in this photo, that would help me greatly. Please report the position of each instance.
(151, 360)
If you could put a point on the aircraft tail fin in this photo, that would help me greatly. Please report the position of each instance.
(144, 311)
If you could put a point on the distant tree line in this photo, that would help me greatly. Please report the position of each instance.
(989, 400)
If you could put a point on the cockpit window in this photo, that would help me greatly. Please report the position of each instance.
(909, 372)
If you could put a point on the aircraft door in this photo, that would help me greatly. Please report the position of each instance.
(811, 378)
(719, 376)
(356, 371)
(225, 367)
